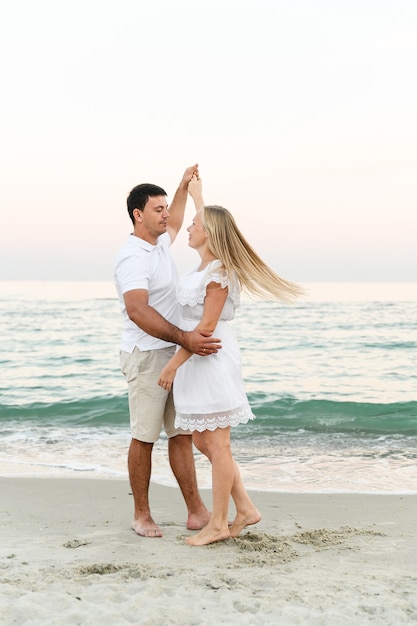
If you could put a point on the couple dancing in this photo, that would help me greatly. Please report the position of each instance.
(179, 355)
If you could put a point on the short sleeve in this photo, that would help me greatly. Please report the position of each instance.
(132, 273)
(193, 287)
(135, 268)
(217, 274)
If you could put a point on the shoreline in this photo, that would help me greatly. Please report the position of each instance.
(68, 554)
(205, 481)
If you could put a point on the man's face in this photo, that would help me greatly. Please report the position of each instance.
(154, 218)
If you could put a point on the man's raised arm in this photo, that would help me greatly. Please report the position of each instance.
(177, 206)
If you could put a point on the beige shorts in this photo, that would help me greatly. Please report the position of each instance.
(150, 406)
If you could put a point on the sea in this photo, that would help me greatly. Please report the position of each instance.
(332, 381)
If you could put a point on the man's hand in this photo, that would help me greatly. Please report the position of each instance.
(188, 175)
(201, 342)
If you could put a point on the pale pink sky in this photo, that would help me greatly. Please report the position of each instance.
(301, 115)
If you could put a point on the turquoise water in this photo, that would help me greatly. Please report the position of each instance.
(332, 382)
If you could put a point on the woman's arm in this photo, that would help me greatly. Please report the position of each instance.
(213, 306)
(195, 189)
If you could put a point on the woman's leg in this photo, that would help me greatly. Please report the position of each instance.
(246, 512)
(200, 443)
(217, 443)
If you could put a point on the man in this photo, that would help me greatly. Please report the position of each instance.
(145, 278)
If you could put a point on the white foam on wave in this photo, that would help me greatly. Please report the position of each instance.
(301, 469)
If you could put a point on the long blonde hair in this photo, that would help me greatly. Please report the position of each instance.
(239, 259)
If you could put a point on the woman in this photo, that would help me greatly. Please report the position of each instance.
(209, 393)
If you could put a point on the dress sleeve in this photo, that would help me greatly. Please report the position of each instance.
(217, 274)
(193, 286)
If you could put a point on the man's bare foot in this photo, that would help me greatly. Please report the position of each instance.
(197, 521)
(208, 535)
(244, 519)
(146, 528)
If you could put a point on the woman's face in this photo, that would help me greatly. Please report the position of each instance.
(197, 233)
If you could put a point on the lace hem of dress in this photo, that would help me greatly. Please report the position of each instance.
(211, 421)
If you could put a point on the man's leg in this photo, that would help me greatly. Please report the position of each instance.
(181, 459)
(146, 413)
(139, 465)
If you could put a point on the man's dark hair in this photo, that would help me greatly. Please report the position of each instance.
(140, 195)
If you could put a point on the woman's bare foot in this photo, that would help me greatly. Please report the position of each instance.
(146, 527)
(244, 519)
(208, 535)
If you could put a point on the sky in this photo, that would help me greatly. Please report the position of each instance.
(300, 113)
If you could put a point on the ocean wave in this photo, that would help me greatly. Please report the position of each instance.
(97, 411)
(273, 414)
(319, 415)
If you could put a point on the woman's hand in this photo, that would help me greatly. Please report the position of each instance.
(166, 377)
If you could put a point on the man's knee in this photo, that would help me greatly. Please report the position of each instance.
(139, 443)
(181, 441)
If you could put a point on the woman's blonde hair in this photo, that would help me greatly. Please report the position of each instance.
(239, 259)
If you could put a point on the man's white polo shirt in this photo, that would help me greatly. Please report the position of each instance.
(140, 265)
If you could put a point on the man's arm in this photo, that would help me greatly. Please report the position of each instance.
(177, 207)
(149, 320)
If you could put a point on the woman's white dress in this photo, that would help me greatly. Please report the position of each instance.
(209, 391)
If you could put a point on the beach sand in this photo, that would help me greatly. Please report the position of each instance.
(68, 556)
